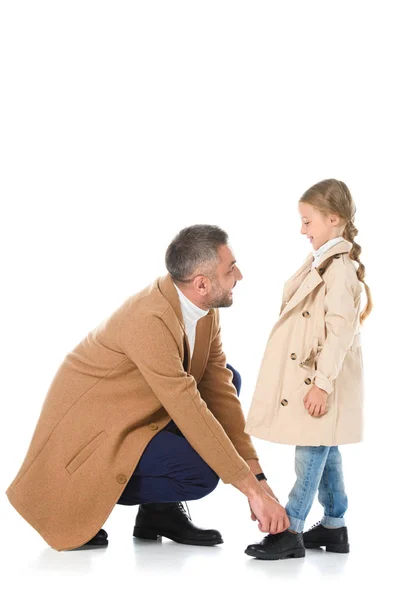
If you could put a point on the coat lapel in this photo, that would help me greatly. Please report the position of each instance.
(295, 281)
(312, 278)
(192, 364)
(201, 346)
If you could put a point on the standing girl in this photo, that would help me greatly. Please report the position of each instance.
(309, 391)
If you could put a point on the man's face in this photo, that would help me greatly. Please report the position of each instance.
(223, 280)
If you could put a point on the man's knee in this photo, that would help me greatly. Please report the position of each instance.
(236, 379)
(206, 483)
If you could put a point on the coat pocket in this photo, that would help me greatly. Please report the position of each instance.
(85, 452)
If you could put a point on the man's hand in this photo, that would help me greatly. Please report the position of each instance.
(269, 491)
(315, 402)
(271, 516)
(255, 468)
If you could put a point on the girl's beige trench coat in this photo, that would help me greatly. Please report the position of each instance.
(316, 340)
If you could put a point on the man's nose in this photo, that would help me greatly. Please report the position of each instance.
(239, 275)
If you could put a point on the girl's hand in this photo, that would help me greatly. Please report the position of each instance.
(315, 402)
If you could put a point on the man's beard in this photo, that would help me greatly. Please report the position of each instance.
(221, 299)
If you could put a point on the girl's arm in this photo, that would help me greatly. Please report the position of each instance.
(341, 320)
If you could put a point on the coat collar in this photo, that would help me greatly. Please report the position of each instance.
(312, 277)
(203, 329)
(167, 288)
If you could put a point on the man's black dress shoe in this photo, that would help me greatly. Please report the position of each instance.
(279, 545)
(334, 540)
(98, 541)
(169, 519)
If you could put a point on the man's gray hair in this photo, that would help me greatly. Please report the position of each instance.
(191, 247)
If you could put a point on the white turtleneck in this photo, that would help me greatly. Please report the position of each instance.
(191, 314)
(324, 248)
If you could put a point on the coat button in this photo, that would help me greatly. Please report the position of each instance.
(284, 402)
(121, 478)
(306, 314)
(153, 426)
(307, 381)
(293, 356)
(321, 270)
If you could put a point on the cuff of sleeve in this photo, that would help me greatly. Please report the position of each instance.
(251, 457)
(238, 476)
(323, 382)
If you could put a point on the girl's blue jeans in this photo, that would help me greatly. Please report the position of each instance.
(318, 468)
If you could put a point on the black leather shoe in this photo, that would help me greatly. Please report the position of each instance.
(334, 540)
(170, 520)
(279, 545)
(99, 540)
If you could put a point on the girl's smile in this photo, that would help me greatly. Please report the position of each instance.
(318, 227)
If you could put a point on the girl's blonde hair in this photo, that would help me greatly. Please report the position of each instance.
(333, 197)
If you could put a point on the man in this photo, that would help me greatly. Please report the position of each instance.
(144, 411)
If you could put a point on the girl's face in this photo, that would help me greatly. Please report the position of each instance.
(318, 228)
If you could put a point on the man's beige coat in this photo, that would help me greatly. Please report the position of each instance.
(113, 393)
(315, 341)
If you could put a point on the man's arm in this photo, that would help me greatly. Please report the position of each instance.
(217, 389)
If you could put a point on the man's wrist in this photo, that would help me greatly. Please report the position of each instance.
(254, 465)
(249, 486)
(256, 469)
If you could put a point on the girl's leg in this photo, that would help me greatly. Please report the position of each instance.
(331, 493)
(309, 466)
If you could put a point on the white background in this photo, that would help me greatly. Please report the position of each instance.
(121, 123)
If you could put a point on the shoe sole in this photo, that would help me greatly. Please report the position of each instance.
(149, 534)
(92, 546)
(338, 548)
(289, 554)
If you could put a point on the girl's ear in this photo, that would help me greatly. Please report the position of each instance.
(334, 219)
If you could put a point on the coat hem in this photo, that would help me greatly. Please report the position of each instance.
(27, 515)
(294, 441)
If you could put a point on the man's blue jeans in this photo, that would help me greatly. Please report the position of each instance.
(318, 468)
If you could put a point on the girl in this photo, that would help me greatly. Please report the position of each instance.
(309, 391)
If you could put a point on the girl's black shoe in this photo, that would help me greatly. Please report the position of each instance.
(334, 540)
(277, 546)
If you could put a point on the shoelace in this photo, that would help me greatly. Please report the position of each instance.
(274, 538)
(182, 510)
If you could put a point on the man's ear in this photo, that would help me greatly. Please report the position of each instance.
(201, 284)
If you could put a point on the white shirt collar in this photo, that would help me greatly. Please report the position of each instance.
(325, 247)
(190, 312)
